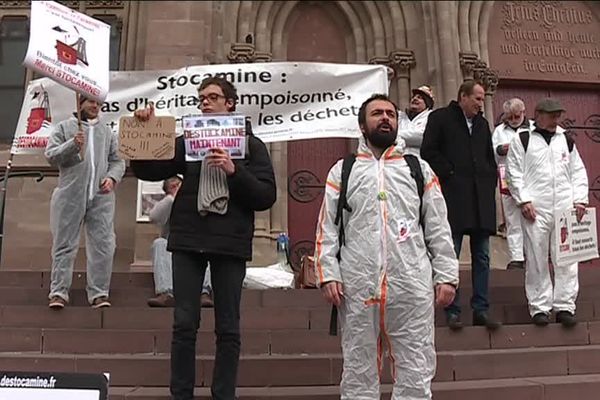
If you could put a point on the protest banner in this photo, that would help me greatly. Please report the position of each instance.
(284, 100)
(69, 47)
(147, 140)
(575, 241)
(53, 386)
(204, 132)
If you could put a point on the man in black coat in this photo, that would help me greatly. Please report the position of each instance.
(457, 143)
(220, 234)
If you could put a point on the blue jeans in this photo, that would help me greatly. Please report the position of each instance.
(480, 271)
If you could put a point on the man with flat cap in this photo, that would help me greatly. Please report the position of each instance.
(412, 122)
(546, 176)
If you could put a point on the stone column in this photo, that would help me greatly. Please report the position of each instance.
(241, 53)
(277, 215)
(489, 79)
(467, 61)
(268, 223)
(402, 61)
(384, 60)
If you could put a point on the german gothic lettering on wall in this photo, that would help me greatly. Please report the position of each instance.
(545, 40)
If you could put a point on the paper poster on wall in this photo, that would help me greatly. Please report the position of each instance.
(575, 241)
(148, 194)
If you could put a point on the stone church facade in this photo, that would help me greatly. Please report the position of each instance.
(525, 49)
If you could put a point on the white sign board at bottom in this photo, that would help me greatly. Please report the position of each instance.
(48, 394)
(575, 241)
(51, 386)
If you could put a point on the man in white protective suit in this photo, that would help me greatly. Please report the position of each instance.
(513, 119)
(546, 176)
(89, 168)
(412, 122)
(384, 283)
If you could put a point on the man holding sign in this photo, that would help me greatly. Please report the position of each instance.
(546, 176)
(89, 168)
(212, 221)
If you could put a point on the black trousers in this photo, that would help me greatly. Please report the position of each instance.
(227, 276)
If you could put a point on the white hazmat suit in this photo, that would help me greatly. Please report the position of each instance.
(504, 134)
(388, 278)
(411, 131)
(552, 179)
(77, 200)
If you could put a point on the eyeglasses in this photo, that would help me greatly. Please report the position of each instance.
(213, 97)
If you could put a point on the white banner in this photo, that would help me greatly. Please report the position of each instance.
(70, 47)
(285, 101)
(575, 241)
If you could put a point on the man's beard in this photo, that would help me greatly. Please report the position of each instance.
(517, 125)
(380, 139)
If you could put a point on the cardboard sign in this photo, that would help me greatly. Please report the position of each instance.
(69, 47)
(147, 140)
(204, 132)
(575, 241)
(53, 386)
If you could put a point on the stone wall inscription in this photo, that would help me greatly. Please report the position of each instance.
(545, 40)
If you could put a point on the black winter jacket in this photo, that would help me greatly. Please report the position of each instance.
(465, 165)
(251, 188)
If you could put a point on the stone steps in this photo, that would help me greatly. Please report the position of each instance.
(263, 370)
(581, 387)
(286, 350)
(266, 341)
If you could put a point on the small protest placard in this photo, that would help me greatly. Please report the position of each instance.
(147, 140)
(575, 241)
(205, 132)
(69, 47)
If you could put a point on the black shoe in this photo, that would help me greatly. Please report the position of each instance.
(516, 265)
(541, 319)
(453, 321)
(567, 319)
(483, 319)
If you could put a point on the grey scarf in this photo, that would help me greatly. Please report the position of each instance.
(213, 192)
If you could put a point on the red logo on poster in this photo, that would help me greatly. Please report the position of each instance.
(66, 53)
(39, 115)
(564, 234)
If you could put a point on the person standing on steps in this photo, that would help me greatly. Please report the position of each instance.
(211, 229)
(546, 176)
(89, 168)
(458, 145)
(396, 260)
(514, 119)
(412, 122)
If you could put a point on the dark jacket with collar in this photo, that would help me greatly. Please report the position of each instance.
(465, 166)
(251, 188)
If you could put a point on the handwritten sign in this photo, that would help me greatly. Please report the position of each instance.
(575, 241)
(147, 140)
(202, 133)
